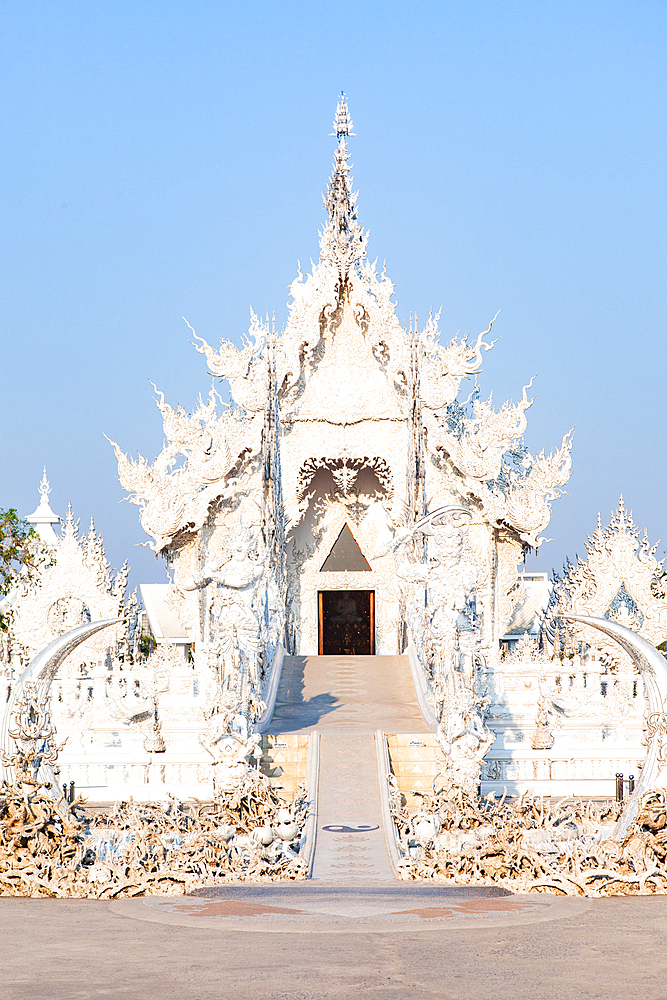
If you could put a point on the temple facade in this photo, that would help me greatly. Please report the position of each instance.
(356, 496)
(348, 464)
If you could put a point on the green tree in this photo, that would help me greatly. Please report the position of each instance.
(18, 552)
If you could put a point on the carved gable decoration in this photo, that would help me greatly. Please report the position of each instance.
(77, 586)
(349, 380)
(346, 556)
(621, 580)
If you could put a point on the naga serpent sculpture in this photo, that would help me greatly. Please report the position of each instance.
(40, 671)
(652, 666)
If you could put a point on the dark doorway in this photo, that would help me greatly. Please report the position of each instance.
(346, 622)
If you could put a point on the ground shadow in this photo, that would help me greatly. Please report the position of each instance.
(292, 711)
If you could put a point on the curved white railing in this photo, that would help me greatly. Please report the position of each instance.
(271, 689)
(422, 689)
(307, 851)
(40, 671)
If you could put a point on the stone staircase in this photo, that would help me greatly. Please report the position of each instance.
(284, 761)
(415, 760)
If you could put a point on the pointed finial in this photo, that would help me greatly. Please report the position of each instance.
(70, 526)
(44, 488)
(44, 518)
(342, 122)
(342, 241)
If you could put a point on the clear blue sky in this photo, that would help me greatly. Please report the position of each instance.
(167, 159)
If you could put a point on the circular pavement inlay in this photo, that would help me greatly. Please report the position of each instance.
(307, 907)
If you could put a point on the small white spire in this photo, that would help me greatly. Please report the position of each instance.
(342, 122)
(44, 488)
(44, 518)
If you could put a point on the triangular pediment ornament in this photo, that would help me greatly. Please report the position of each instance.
(623, 609)
(345, 555)
(621, 581)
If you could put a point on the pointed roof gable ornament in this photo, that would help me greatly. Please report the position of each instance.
(620, 580)
(44, 518)
(342, 241)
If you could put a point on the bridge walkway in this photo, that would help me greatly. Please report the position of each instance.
(346, 699)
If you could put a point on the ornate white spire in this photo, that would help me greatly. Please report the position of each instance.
(342, 121)
(71, 526)
(44, 518)
(44, 488)
(342, 241)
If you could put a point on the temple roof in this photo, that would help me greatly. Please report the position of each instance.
(163, 617)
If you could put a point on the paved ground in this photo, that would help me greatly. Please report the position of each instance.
(346, 695)
(608, 949)
(334, 908)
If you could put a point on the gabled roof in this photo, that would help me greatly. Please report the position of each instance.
(528, 613)
(163, 617)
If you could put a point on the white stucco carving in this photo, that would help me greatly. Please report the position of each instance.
(345, 417)
(576, 696)
(33, 734)
(621, 580)
(198, 465)
(75, 585)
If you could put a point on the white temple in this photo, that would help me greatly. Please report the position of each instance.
(355, 497)
(347, 424)
(347, 501)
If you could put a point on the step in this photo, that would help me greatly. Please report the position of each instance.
(415, 760)
(284, 761)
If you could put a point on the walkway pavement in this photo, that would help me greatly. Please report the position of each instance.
(346, 695)
(605, 949)
(350, 845)
(347, 699)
